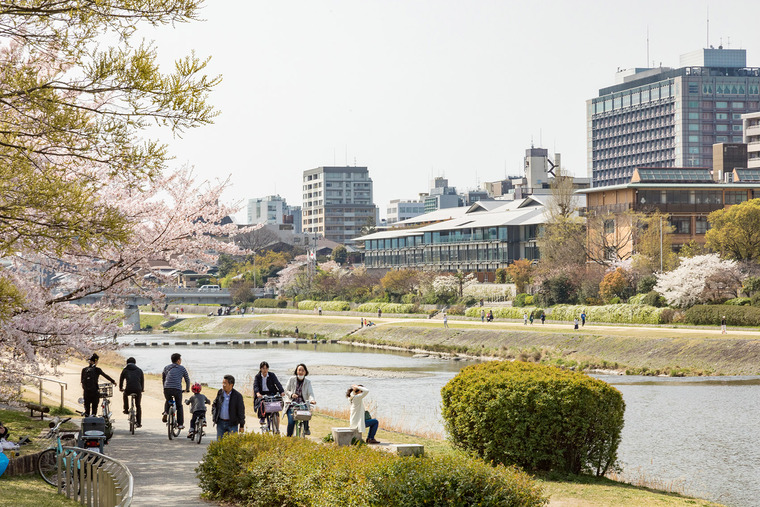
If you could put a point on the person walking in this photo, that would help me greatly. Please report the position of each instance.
(531, 318)
(575, 323)
(525, 319)
(90, 378)
(445, 320)
(228, 409)
(583, 319)
(543, 317)
(134, 379)
(482, 315)
(723, 325)
(172, 380)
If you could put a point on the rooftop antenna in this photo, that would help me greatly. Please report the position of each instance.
(708, 27)
(531, 141)
(728, 43)
(648, 45)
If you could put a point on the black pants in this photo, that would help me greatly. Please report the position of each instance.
(194, 419)
(138, 405)
(175, 394)
(91, 400)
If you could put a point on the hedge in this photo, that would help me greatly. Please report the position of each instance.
(504, 312)
(538, 417)
(711, 315)
(328, 306)
(270, 303)
(614, 314)
(387, 308)
(262, 470)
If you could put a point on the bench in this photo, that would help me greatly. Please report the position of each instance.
(345, 436)
(35, 407)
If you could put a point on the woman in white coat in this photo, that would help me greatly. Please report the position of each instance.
(298, 389)
(355, 395)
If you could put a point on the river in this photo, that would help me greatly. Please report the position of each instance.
(697, 436)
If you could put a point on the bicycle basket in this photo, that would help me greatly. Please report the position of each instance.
(301, 415)
(105, 390)
(272, 406)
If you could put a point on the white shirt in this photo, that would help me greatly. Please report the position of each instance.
(357, 409)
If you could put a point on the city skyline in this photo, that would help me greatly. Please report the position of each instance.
(415, 90)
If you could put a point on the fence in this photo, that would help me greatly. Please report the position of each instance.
(63, 385)
(93, 479)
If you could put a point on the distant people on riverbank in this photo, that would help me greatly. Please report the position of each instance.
(575, 323)
(525, 318)
(228, 409)
(489, 318)
(90, 379)
(132, 381)
(531, 318)
(543, 317)
(359, 417)
(445, 320)
(723, 325)
(482, 315)
(298, 390)
(171, 378)
(379, 313)
(583, 319)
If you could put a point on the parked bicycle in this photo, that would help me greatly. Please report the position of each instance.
(272, 408)
(47, 462)
(132, 413)
(301, 414)
(106, 391)
(172, 426)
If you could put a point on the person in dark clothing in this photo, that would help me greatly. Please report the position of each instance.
(228, 409)
(90, 377)
(135, 384)
(265, 383)
(3, 432)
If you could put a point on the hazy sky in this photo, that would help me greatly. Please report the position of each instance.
(416, 89)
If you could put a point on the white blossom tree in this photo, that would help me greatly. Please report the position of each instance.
(699, 279)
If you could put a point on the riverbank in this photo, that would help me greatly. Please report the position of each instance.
(652, 350)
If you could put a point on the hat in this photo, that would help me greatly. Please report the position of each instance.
(94, 358)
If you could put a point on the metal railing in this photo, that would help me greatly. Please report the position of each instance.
(63, 385)
(93, 479)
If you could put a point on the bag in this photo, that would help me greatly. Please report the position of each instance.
(301, 415)
(90, 378)
(367, 415)
(272, 406)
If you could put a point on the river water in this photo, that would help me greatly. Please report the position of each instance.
(698, 436)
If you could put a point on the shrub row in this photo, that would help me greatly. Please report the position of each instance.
(270, 303)
(262, 470)
(614, 314)
(505, 312)
(712, 314)
(328, 306)
(538, 417)
(387, 308)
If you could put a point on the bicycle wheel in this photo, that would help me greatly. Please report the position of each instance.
(299, 429)
(175, 426)
(273, 423)
(199, 424)
(170, 424)
(47, 466)
(132, 421)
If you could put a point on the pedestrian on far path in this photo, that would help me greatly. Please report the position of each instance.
(525, 319)
(575, 323)
(228, 409)
(296, 332)
(445, 320)
(379, 313)
(531, 318)
(723, 325)
(543, 317)
(320, 310)
(583, 319)
(482, 315)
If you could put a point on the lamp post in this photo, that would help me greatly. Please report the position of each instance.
(660, 244)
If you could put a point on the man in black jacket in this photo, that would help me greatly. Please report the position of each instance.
(135, 380)
(90, 377)
(228, 409)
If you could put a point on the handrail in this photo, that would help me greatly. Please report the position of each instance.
(94, 479)
(63, 385)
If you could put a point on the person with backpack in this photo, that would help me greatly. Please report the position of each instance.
(172, 379)
(135, 384)
(90, 377)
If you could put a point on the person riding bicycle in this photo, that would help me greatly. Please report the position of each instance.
(90, 377)
(197, 404)
(298, 390)
(172, 380)
(135, 384)
(265, 383)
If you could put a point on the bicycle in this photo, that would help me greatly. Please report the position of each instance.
(200, 423)
(272, 408)
(106, 391)
(132, 413)
(302, 414)
(172, 426)
(47, 462)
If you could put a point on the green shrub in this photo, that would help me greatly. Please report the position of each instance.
(534, 416)
(328, 306)
(387, 308)
(499, 312)
(521, 300)
(646, 284)
(653, 298)
(270, 303)
(711, 315)
(613, 314)
(637, 299)
(739, 302)
(261, 470)
(456, 310)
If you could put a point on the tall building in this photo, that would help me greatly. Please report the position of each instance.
(401, 209)
(752, 139)
(337, 202)
(273, 210)
(442, 196)
(666, 117)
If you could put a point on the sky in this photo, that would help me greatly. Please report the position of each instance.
(415, 89)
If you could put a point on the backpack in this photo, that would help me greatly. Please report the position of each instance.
(90, 378)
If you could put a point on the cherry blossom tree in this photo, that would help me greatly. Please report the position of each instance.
(699, 279)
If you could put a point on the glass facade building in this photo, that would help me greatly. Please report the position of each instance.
(666, 117)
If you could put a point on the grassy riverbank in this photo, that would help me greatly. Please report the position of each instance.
(665, 350)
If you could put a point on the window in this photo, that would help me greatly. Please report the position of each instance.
(677, 197)
(737, 105)
(721, 104)
(693, 87)
(693, 116)
(736, 128)
(693, 126)
(701, 226)
(693, 139)
(694, 149)
(721, 128)
(721, 139)
(682, 225)
(708, 197)
(694, 103)
(734, 197)
(609, 226)
(650, 196)
(721, 116)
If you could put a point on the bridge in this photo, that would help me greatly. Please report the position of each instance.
(174, 296)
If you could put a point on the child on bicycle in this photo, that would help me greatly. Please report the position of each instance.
(197, 404)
